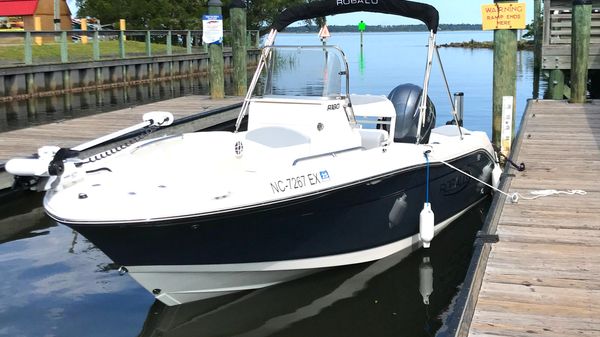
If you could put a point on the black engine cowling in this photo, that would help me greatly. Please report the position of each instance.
(406, 98)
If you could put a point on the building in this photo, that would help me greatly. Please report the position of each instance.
(556, 43)
(29, 9)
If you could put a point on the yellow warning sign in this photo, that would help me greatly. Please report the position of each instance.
(503, 16)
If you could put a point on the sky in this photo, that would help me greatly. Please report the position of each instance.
(451, 11)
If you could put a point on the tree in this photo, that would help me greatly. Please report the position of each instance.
(146, 14)
(181, 14)
(262, 13)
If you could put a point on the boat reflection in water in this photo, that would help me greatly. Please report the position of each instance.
(398, 294)
(22, 218)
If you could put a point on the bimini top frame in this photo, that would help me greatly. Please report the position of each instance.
(424, 12)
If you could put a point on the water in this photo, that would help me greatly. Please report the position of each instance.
(55, 283)
(391, 59)
(40, 110)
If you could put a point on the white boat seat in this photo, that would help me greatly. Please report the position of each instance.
(372, 138)
(277, 136)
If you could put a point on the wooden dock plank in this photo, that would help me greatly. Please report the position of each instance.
(68, 133)
(543, 276)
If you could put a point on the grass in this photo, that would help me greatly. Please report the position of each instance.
(50, 52)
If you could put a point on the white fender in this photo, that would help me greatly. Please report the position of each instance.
(28, 167)
(496, 173)
(33, 167)
(426, 225)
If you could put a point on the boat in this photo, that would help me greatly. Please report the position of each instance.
(318, 178)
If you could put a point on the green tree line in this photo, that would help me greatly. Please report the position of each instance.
(174, 15)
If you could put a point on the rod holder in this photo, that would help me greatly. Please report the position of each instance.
(459, 105)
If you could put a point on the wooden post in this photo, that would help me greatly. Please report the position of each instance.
(28, 51)
(96, 46)
(84, 37)
(505, 76)
(556, 84)
(64, 50)
(148, 43)
(122, 44)
(169, 43)
(122, 25)
(237, 14)
(580, 49)
(66, 80)
(215, 52)
(56, 15)
(37, 26)
(188, 42)
(537, 46)
(30, 83)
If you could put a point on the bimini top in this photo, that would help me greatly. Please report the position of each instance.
(416, 10)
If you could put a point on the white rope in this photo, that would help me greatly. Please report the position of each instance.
(546, 193)
(514, 197)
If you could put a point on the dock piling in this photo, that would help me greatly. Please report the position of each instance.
(215, 52)
(237, 13)
(64, 47)
(580, 49)
(96, 46)
(537, 47)
(122, 44)
(28, 50)
(556, 84)
(148, 43)
(505, 76)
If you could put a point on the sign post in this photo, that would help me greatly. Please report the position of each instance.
(237, 14)
(212, 34)
(505, 17)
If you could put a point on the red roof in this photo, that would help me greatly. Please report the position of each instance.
(17, 7)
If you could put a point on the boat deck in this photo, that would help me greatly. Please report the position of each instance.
(72, 132)
(69, 133)
(542, 277)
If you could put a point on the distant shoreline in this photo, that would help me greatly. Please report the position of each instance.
(521, 45)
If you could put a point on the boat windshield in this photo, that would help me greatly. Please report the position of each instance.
(317, 71)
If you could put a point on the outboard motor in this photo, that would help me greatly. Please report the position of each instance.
(406, 98)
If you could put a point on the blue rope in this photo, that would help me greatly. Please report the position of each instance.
(427, 178)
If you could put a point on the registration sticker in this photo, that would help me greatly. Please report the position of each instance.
(299, 182)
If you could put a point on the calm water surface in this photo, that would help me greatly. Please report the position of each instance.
(55, 283)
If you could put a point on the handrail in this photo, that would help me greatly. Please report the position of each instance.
(184, 41)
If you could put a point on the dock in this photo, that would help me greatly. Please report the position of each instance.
(536, 266)
(195, 110)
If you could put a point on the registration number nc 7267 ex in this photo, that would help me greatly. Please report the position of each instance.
(299, 182)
